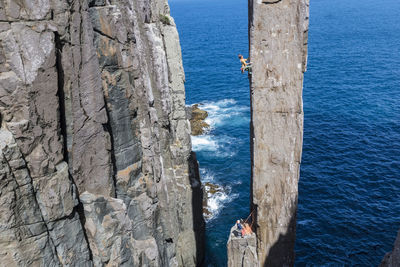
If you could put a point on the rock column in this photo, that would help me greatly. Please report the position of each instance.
(278, 52)
(96, 166)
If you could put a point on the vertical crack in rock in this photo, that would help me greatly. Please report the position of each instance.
(93, 94)
(78, 209)
(108, 128)
(35, 198)
(61, 94)
(82, 219)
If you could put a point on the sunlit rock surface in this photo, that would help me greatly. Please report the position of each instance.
(278, 52)
(96, 162)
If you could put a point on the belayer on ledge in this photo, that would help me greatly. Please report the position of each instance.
(243, 228)
(245, 65)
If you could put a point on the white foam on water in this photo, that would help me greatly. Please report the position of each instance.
(217, 201)
(204, 143)
(206, 175)
(305, 222)
(223, 112)
(220, 113)
(220, 146)
(214, 203)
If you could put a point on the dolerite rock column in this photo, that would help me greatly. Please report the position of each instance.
(392, 259)
(95, 155)
(278, 52)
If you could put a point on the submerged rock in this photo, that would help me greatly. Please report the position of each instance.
(197, 118)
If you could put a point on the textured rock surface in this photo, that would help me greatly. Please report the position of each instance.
(392, 258)
(96, 162)
(242, 251)
(196, 117)
(278, 51)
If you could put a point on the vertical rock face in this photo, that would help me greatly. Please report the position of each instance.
(96, 165)
(278, 52)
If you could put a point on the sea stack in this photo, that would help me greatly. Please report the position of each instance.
(95, 152)
(278, 31)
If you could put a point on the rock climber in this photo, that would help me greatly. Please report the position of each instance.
(245, 65)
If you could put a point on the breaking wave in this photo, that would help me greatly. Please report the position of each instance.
(217, 195)
(220, 114)
(220, 146)
(212, 144)
(223, 112)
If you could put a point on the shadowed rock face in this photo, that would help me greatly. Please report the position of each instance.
(278, 52)
(96, 165)
(392, 259)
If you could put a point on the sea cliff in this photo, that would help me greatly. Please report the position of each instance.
(96, 161)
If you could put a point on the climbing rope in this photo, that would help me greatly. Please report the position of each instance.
(252, 222)
(249, 216)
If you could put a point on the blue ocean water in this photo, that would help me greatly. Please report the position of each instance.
(349, 191)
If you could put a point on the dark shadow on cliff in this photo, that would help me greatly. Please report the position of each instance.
(392, 259)
(282, 252)
(199, 224)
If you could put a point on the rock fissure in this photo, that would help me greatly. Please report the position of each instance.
(32, 188)
(60, 94)
(93, 95)
(106, 35)
(269, 2)
(108, 128)
(82, 220)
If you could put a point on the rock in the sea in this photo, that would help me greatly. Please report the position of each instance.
(392, 259)
(95, 157)
(197, 118)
